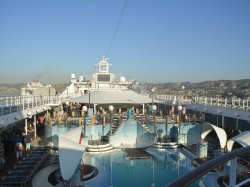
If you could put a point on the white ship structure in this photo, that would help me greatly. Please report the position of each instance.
(102, 80)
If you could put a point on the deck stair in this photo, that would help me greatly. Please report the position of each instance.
(114, 128)
(169, 145)
(99, 148)
(145, 127)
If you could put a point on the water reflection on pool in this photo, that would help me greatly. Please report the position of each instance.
(114, 169)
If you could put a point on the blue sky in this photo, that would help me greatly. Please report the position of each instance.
(157, 41)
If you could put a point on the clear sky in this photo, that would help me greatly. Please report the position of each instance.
(157, 41)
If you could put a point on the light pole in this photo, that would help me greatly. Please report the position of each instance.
(218, 113)
(85, 109)
(111, 109)
(153, 91)
(154, 108)
(49, 92)
(67, 106)
(179, 108)
(237, 120)
(205, 111)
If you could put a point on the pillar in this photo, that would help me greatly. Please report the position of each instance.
(201, 151)
(232, 172)
(26, 126)
(35, 125)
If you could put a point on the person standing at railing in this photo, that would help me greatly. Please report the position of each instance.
(27, 141)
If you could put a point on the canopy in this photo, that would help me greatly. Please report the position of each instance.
(113, 97)
(242, 138)
(207, 128)
(70, 152)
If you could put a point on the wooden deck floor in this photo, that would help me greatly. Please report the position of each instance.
(137, 153)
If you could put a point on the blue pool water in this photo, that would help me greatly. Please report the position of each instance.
(117, 171)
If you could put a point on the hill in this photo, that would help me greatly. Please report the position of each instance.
(221, 88)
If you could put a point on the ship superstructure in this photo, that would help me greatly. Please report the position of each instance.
(101, 80)
(34, 89)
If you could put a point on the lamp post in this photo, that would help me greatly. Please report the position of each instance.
(153, 91)
(67, 106)
(154, 108)
(84, 108)
(205, 111)
(218, 113)
(179, 108)
(111, 109)
(237, 120)
(49, 91)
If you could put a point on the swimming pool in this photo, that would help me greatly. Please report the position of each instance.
(114, 169)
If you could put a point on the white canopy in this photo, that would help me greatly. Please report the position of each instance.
(113, 97)
(207, 128)
(70, 152)
(242, 138)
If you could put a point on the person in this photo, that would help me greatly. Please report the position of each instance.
(27, 141)
(19, 151)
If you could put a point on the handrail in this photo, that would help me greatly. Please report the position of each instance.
(243, 182)
(195, 174)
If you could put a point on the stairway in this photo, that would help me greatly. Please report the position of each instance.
(146, 127)
(99, 148)
(169, 145)
(114, 128)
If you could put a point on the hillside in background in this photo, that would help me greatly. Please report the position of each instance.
(221, 88)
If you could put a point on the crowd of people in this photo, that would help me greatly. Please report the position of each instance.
(17, 142)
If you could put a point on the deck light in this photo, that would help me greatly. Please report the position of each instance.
(111, 109)
(154, 108)
(85, 109)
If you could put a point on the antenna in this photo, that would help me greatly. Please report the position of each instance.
(117, 28)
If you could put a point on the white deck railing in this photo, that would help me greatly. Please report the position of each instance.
(13, 104)
(232, 103)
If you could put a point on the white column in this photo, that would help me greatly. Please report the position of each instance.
(35, 125)
(23, 103)
(143, 108)
(232, 172)
(26, 126)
